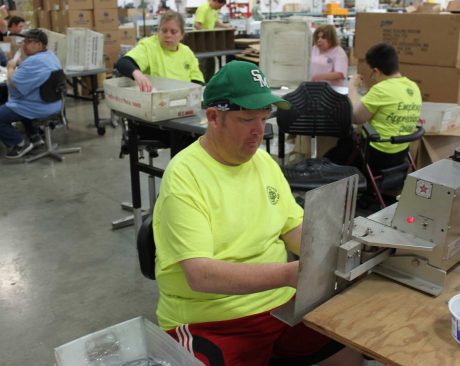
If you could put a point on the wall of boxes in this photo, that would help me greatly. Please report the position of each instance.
(98, 15)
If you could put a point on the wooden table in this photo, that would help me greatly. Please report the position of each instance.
(391, 323)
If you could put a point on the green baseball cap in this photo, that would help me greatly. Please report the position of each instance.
(240, 85)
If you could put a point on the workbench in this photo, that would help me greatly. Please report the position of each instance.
(394, 324)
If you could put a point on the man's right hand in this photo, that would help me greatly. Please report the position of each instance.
(142, 81)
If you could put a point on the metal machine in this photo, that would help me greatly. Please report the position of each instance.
(415, 241)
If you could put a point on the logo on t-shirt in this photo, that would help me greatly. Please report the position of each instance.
(273, 195)
(187, 66)
(410, 91)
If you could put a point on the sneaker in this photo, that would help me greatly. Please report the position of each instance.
(36, 140)
(19, 151)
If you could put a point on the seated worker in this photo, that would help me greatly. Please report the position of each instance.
(161, 55)
(222, 222)
(16, 24)
(329, 62)
(24, 101)
(392, 106)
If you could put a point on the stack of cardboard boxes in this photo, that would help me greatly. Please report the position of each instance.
(106, 22)
(98, 15)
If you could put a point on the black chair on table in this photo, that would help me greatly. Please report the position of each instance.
(392, 178)
(52, 90)
(317, 110)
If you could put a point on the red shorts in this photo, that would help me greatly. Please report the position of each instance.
(256, 340)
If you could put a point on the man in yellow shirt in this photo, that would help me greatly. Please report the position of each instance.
(207, 15)
(222, 222)
(391, 106)
(207, 18)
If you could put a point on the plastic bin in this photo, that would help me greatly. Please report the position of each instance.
(85, 49)
(285, 51)
(135, 339)
(169, 99)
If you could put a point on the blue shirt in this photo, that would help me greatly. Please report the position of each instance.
(24, 98)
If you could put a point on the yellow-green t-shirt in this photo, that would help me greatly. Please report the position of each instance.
(231, 213)
(154, 60)
(395, 104)
(206, 16)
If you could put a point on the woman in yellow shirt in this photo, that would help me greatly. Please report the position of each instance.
(161, 55)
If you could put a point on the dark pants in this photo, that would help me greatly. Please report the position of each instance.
(343, 152)
(8, 134)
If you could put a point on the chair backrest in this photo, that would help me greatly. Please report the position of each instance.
(317, 110)
(146, 248)
(54, 88)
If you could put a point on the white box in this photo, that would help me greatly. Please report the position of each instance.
(285, 50)
(85, 51)
(439, 117)
(57, 43)
(137, 338)
(169, 99)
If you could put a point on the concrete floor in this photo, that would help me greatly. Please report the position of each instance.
(63, 272)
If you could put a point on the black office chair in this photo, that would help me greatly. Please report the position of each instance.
(52, 90)
(146, 248)
(391, 178)
(317, 110)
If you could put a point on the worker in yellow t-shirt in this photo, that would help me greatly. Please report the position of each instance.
(162, 55)
(207, 15)
(223, 222)
(207, 18)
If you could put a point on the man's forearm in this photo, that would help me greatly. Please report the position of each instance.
(354, 96)
(222, 277)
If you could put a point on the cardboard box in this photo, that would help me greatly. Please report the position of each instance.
(37, 4)
(86, 50)
(57, 43)
(105, 19)
(453, 6)
(58, 21)
(77, 4)
(79, 18)
(437, 147)
(111, 55)
(127, 35)
(437, 84)
(440, 117)
(49, 5)
(43, 19)
(111, 38)
(105, 4)
(169, 99)
(422, 39)
(119, 344)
